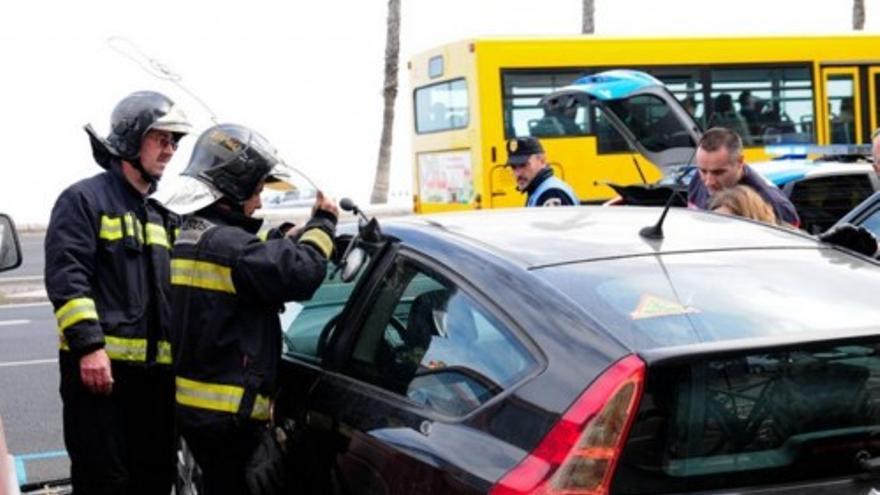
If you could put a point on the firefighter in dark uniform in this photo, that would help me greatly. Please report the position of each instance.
(534, 177)
(228, 287)
(107, 275)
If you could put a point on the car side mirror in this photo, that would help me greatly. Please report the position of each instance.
(352, 264)
(10, 247)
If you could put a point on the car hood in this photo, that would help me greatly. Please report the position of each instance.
(628, 98)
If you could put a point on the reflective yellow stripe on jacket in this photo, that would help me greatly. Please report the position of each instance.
(202, 275)
(75, 310)
(111, 228)
(217, 397)
(156, 234)
(132, 350)
(319, 239)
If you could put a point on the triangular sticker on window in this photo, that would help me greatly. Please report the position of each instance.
(651, 306)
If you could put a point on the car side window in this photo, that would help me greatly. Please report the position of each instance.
(305, 324)
(872, 222)
(822, 201)
(428, 340)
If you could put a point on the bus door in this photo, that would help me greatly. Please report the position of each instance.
(842, 102)
(874, 96)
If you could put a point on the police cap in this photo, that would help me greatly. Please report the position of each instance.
(520, 149)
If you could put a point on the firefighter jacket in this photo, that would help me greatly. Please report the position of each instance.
(107, 270)
(228, 286)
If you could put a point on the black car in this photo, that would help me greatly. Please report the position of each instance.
(558, 351)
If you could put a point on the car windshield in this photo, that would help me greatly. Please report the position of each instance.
(679, 299)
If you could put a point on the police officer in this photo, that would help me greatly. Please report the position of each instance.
(107, 275)
(228, 287)
(534, 177)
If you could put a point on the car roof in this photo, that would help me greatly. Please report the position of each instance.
(781, 172)
(535, 237)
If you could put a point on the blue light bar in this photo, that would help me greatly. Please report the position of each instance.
(812, 149)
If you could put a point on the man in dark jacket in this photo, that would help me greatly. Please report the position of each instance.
(228, 287)
(720, 164)
(107, 275)
(534, 177)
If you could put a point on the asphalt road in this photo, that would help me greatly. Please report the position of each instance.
(32, 264)
(29, 402)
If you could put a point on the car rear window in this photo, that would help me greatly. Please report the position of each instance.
(794, 414)
(679, 299)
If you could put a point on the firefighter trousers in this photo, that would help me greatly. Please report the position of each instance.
(125, 442)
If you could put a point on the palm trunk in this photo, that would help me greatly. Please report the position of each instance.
(858, 15)
(588, 26)
(389, 93)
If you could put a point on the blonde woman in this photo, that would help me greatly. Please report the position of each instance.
(742, 201)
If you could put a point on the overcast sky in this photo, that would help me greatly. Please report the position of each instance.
(308, 75)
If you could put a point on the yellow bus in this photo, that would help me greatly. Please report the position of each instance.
(471, 96)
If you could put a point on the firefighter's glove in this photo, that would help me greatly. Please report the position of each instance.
(264, 474)
(848, 236)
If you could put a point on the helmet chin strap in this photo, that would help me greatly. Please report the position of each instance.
(152, 180)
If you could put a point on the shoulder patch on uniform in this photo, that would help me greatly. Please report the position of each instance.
(192, 230)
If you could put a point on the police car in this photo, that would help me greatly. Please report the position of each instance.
(654, 123)
(559, 350)
(823, 189)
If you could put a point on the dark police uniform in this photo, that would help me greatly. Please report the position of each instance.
(698, 195)
(107, 275)
(228, 287)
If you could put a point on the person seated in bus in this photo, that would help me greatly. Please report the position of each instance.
(750, 109)
(534, 177)
(843, 124)
(742, 201)
(557, 121)
(724, 115)
(720, 165)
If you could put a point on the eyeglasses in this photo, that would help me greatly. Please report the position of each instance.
(163, 139)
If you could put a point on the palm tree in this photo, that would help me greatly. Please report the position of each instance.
(588, 25)
(858, 15)
(389, 92)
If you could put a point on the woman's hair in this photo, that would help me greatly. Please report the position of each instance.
(743, 201)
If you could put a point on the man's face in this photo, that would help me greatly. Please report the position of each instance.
(157, 149)
(253, 203)
(876, 152)
(527, 171)
(718, 170)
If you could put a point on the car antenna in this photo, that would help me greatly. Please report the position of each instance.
(655, 232)
(159, 70)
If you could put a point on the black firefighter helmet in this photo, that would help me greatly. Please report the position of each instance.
(134, 116)
(233, 159)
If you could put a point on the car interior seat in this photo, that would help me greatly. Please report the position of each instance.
(421, 326)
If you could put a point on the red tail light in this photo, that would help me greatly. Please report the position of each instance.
(579, 455)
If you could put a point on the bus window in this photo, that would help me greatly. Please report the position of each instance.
(687, 86)
(764, 105)
(524, 117)
(841, 91)
(442, 107)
